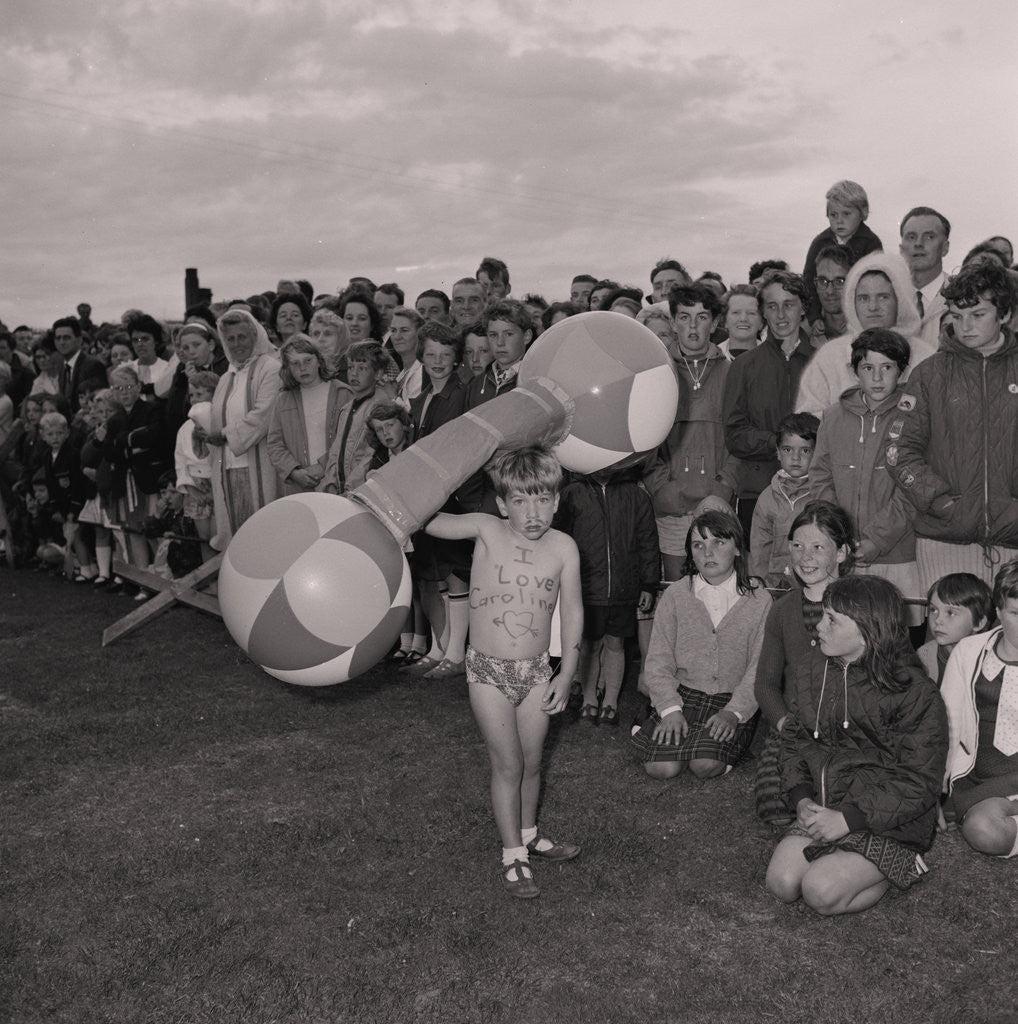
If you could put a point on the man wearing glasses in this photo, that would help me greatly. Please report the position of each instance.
(833, 263)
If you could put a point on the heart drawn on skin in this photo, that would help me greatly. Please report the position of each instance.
(517, 624)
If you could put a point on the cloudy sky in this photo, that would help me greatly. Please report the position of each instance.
(405, 139)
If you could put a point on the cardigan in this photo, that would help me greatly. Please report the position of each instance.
(786, 644)
(685, 648)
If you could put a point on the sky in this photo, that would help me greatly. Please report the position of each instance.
(406, 139)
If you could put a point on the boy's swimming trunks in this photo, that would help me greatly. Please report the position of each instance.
(514, 678)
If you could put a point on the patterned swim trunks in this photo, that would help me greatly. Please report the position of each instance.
(514, 678)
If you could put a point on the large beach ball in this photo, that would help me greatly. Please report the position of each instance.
(315, 589)
(620, 377)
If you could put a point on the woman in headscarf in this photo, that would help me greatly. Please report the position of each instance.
(243, 477)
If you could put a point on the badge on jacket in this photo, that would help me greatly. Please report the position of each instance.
(906, 403)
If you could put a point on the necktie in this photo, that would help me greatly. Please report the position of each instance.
(919, 303)
(1005, 733)
(65, 381)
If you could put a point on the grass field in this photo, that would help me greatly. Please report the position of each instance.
(185, 839)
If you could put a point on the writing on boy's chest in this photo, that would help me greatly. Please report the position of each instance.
(517, 582)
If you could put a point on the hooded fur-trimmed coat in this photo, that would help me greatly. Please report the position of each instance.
(829, 373)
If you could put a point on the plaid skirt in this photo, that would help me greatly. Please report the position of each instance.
(770, 804)
(901, 866)
(697, 707)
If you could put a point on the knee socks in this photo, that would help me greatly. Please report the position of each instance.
(104, 558)
(459, 614)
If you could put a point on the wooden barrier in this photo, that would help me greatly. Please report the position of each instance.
(168, 593)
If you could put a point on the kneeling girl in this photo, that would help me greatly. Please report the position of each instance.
(862, 763)
(701, 663)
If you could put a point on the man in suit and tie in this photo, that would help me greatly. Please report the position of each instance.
(77, 367)
(925, 239)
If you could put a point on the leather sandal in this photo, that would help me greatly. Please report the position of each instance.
(555, 852)
(447, 669)
(518, 880)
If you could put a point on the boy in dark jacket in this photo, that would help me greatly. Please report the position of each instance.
(950, 449)
(611, 518)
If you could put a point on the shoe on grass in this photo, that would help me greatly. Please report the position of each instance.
(518, 880)
(589, 713)
(418, 668)
(609, 716)
(554, 851)
(447, 669)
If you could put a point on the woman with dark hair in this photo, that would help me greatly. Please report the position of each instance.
(289, 314)
(558, 311)
(305, 415)
(197, 350)
(361, 316)
(47, 366)
(134, 445)
(702, 658)
(861, 766)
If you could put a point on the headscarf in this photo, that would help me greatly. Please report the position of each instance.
(262, 345)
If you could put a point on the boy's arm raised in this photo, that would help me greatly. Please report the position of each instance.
(450, 527)
(570, 599)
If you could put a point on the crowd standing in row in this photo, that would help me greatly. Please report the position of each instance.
(856, 423)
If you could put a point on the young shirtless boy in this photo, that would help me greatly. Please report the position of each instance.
(521, 567)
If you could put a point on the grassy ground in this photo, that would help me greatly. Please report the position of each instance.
(186, 840)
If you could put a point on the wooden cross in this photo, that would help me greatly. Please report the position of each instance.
(169, 592)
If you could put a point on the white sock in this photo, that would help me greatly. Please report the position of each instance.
(459, 617)
(405, 640)
(528, 835)
(420, 644)
(509, 854)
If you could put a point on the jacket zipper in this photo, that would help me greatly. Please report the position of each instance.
(607, 536)
(986, 465)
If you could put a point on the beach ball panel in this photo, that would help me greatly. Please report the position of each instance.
(279, 640)
(379, 641)
(319, 592)
(241, 599)
(292, 528)
(602, 418)
(652, 405)
(336, 670)
(368, 534)
(328, 509)
(581, 457)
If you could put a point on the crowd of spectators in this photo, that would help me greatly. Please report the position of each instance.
(873, 382)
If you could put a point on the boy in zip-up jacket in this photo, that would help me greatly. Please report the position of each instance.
(850, 469)
(611, 519)
(786, 497)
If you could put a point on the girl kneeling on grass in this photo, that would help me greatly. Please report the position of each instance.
(862, 763)
(701, 663)
(980, 689)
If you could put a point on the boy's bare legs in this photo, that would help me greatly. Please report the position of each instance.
(515, 741)
(532, 726)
